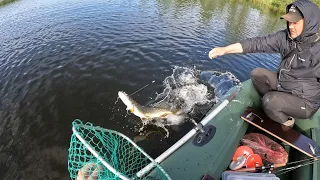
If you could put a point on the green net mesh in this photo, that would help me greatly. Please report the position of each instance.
(98, 153)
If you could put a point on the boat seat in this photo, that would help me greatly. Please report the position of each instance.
(311, 172)
(311, 128)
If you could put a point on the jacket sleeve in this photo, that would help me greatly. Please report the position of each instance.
(315, 59)
(316, 69)
(267, 44)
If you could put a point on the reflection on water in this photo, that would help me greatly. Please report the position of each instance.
(62, 60)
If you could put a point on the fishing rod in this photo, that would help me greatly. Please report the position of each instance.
(308, 161)
(266, 168)
(270, 167)
(285, 170)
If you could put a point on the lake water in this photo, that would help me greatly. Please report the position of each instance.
(66, 60)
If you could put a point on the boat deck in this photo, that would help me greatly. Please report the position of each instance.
(192, 162)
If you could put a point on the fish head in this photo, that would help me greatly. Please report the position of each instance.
(126, 100)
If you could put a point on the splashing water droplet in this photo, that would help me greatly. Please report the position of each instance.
(189, 93)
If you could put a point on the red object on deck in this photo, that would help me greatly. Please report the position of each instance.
(266, 148)
(242, 151)
(254, 160)
(239, 163)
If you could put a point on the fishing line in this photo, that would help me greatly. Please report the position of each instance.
(142, 88)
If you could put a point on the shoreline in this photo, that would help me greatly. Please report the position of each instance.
(4, 2)
(279, 5)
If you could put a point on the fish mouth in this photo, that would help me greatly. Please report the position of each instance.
(123, 96)
(121, 93)
(126, 100)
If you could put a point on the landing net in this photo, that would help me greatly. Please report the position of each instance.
(98, 153)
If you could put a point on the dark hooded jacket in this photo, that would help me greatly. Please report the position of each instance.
(299, 73)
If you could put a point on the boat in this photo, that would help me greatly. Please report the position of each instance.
(207, 149)
(189, 162)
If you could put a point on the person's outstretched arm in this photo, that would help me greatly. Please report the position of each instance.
(220, 51)
(266, 44)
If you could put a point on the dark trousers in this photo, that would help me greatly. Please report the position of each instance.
(278, 105)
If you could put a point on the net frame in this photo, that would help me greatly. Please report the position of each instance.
(78, 124)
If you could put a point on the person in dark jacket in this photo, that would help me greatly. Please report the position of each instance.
(294, 90)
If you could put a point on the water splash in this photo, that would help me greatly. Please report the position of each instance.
(192, 92)
(183, 90)
(222, 82)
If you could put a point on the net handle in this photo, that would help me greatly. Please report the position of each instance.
(97, 156)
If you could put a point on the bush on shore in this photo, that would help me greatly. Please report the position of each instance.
(3, 2)
(280, 5)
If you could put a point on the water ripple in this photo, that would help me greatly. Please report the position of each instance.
(61, 60)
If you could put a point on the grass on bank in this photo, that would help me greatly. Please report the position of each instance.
(3, 2)
(280, 5)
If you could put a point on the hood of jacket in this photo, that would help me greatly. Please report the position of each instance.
(311, 15)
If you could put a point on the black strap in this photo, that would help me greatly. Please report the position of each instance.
(293, 51)
(312, 41)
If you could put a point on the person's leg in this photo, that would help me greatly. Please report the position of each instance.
(263, 80)
(279, 106)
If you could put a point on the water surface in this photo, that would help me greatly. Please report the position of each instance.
(62, 60)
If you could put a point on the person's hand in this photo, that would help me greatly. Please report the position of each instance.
(88, 173)
(215, 52)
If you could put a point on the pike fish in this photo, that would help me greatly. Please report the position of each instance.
(145, 113)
